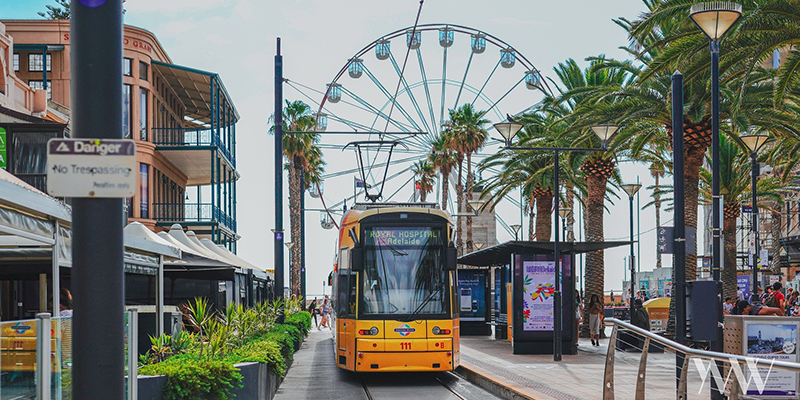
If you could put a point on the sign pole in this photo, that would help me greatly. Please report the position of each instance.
(97, 266)
(278, 232)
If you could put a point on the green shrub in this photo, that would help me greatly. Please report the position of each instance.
(190, 378)
(284, 341)
(291, 330)
(301, 320)
(262, 350)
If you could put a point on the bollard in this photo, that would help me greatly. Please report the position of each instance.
(133, 354)
(43, 354)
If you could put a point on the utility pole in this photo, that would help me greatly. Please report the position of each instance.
(278, 232)
(97, 267)
(679, 297)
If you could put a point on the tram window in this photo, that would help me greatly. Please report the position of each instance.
(403, 268)
(345, 304)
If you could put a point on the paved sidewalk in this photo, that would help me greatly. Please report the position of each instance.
(314, 374)
(577, 376)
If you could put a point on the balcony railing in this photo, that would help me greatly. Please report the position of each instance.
(39, 181)
(180, 137)
(192, 212)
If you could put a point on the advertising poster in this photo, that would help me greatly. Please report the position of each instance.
(538, 288)
(743, 282)
(776, 341)
(472, 295)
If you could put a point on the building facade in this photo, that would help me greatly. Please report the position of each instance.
(182, 119)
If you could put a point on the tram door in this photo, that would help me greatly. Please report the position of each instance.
(345, 312)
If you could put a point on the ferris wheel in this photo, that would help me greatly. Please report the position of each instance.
(400, 87)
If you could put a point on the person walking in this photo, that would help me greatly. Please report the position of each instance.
(312, 308)
(595, 310)
(326, 312)
(640, 317)
(578, 314)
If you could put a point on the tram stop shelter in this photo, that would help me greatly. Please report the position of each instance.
(523, 277)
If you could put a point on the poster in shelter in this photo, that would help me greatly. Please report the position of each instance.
(538, 288)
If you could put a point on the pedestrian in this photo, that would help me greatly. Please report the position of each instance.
(776, 298)
(312, 308)
(640, 317)
(326, 312)
(727, 306)
(65, 303)
(595, 309)
(766, 294)
(628, 298)
(792, 304)
(612, 296)
(745, 308)
(578, 314)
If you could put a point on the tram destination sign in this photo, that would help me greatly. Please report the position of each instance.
(91, 168)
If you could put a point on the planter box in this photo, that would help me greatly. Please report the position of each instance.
(151, 387)
(257, 384)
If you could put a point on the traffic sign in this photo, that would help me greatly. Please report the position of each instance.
(91, 168)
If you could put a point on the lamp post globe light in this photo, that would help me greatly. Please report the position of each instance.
(509, 129)
(754, 142)
(564, 213)
(631, 189)
(715, 19)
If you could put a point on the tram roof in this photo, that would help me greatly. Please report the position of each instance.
(363, 210)
(499, 254)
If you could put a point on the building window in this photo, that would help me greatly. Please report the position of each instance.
(35, 62)
(127, 67)
(39, 85)
(126, 111)
(142, 114)
(144, 192)
(143, 71)
(16, 62)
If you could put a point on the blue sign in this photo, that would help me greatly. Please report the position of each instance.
(472, 295)
(743, 282)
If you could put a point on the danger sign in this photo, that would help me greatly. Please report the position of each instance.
(91, 168)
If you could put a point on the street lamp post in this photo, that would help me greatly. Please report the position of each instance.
(631, 189)
(714, 19)
(278, 231)
(754, 142)
(564, 213)
(516, 228)
(509, 129)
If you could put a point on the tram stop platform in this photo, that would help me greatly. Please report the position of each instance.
(489, 371)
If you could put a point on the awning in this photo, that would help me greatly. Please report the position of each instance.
(191, 266)
(500, 254)
(194, 88)
(234, 258)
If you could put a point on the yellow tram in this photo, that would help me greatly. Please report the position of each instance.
(394, 290)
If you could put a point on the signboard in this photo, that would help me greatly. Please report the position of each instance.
(472, 295)
(747, 209)
(772, 341)
(538, 288)
(3, 147)
(402, 236)
(743, 282)
(763, 258)
(91, 168)
(666, 240)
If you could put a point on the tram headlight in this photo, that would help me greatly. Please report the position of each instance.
(373, 331)
(436, 330)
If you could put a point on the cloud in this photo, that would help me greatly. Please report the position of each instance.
(517, 21)
(171, 6)
(217, 39)
(177, 28)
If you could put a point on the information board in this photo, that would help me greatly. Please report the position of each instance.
(538, 288)
(772, 341)
(3, 147)
(91, 168)
(472, 295)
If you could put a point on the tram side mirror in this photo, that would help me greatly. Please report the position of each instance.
(451, 258)
(357, 259)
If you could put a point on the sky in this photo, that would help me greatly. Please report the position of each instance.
(236, 39)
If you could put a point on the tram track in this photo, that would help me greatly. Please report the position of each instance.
(442, 385)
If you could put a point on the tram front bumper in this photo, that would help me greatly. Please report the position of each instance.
(406, 361)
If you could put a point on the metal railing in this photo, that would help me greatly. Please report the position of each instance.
(642, 340)
(179, 137)
(192, 212)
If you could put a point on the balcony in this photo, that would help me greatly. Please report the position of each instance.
(195, 213)
(191, 138)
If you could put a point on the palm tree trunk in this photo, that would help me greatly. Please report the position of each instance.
(470, 181)
(460, 194)
(658, 221)
(775, 248)
(569, 199)
(295, 169)
(445, 182)
(544, 222)
(595, 270)
(729, 287)
(531, 219)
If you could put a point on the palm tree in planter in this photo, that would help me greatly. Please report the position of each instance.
(298, 148)
(471, 125)
(424, 174)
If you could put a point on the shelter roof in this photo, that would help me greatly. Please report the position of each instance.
(499, 254)
(193, 88)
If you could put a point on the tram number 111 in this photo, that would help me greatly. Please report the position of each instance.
(405, 346)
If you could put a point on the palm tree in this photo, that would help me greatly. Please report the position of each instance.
(468, 136)
(735, 187)
(423, 178)
(302, 157)
(444, 160)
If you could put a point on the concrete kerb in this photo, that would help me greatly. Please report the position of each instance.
(503, 389)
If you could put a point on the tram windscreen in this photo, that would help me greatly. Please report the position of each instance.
(404, 269)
